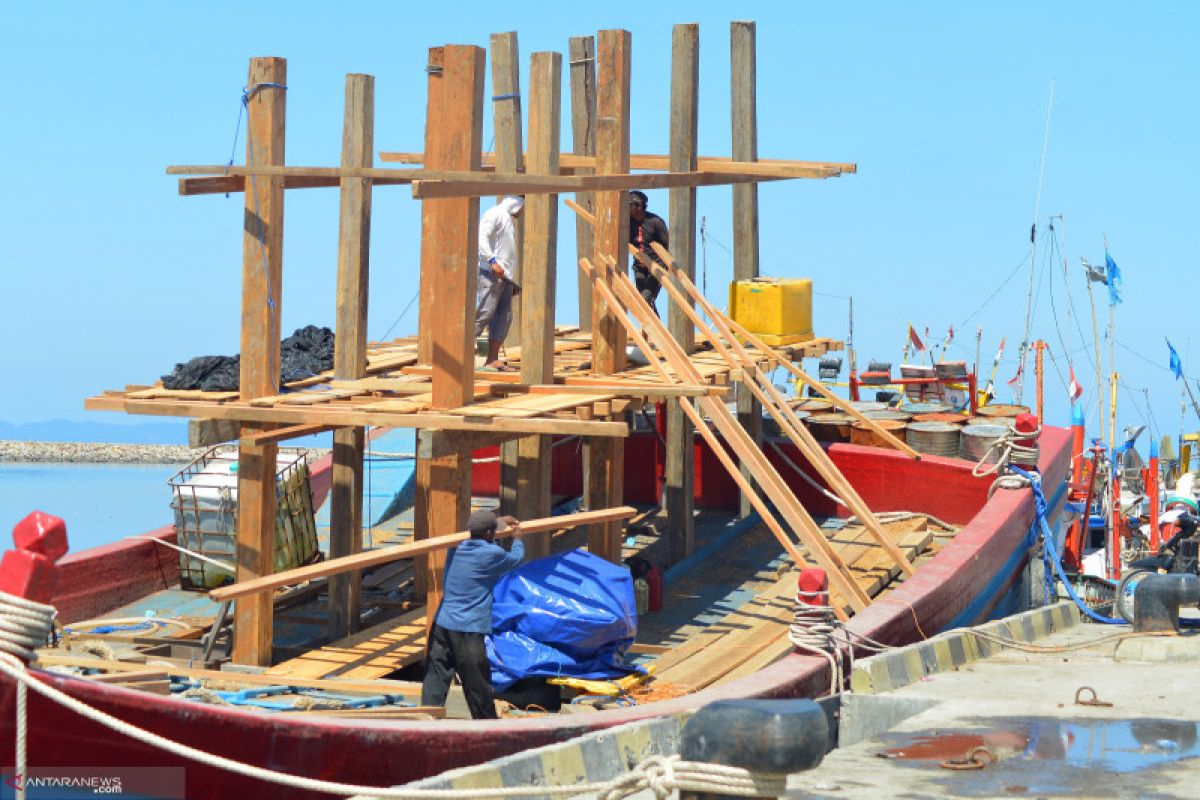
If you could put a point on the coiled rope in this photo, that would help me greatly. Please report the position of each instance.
(1007, 451)
(816, 629)
(25, 626)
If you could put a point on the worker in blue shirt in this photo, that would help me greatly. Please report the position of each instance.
(465, 615)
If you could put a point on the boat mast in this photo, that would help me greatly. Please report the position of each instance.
(1024, 348)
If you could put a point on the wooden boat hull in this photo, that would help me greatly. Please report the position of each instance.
(974, 577)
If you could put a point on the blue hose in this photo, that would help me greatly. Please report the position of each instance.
(1050, 553)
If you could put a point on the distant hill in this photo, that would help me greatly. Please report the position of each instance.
(170, 431)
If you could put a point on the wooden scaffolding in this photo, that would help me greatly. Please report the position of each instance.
(571, 380)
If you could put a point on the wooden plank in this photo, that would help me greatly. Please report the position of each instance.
(418, 547)
(449, 255)
(726, 638)
(506, 114)
(350, 348)
(743, 91)
(283, 434)
(680, 454)
(534, 454)
(467, 183)
(579, 163)
(509, 153)
(262, 279)
(434, 444)
(744, 634)
(48, 658)
(605, 459)
(763, 473)
(582, 54)
(349, 416)
(480, 184)
(227, 184)
(763, 391)
(372, 653)
(524, 406)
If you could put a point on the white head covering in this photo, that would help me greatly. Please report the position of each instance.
(512, 204)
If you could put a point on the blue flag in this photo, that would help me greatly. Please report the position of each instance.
(1176, 364)
(1113, 273)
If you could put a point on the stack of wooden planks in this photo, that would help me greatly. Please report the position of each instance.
(756, 633)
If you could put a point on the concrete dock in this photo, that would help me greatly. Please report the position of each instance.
(980, 712)
(1020, 707)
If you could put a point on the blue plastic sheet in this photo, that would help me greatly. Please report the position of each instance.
(570, 614)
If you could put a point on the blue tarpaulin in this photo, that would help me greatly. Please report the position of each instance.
(570, 614)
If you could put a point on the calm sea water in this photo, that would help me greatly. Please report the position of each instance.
(102, 503)
(99, 502)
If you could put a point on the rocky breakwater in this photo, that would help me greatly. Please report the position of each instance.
(96, 453)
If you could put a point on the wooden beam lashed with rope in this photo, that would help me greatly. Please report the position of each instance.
(262, 278)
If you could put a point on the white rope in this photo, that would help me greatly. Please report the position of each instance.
(807, 478)
(24, 626)
(658, 774)
(1009, 450)
(223, 565)
(813, 629)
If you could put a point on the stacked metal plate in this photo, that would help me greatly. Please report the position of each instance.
(927, 408)
(977, 438)
(934, 438)
(888, 414)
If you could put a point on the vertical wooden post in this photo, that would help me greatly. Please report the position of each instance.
(537, 324)
(350, 349)
(582, 56)
(262, 278)
(506, 115)
(745, 196)
(606, 456)
(680, 468)
(506, 123)
(449, 269)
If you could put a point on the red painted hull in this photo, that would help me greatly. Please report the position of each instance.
(986, 555)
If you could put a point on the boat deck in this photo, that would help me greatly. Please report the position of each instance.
(397, 392)
(724, 616)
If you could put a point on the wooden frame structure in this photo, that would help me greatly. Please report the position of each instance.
(431, 383)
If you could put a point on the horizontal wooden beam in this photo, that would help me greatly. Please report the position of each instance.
(346, 416)
(69, 659)
(283, 434)
(436, 444)
(448, 183)
(628, 389)
(482, 184)
(229, 184)
(766, 166)
(358, 561)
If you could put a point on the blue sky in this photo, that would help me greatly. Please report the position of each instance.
(111, 277)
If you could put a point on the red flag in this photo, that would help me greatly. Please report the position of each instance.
(950, 335)
(1074, 390)
(916, 340)
(1017, 377)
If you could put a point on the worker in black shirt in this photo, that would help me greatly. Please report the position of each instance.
(645, 229)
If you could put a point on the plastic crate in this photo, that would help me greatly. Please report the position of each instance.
(204, 499)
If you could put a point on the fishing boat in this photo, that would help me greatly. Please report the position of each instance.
(978, 574)
(898, 544)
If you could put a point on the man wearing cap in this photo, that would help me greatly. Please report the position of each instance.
(465, 615)
(645, 229)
